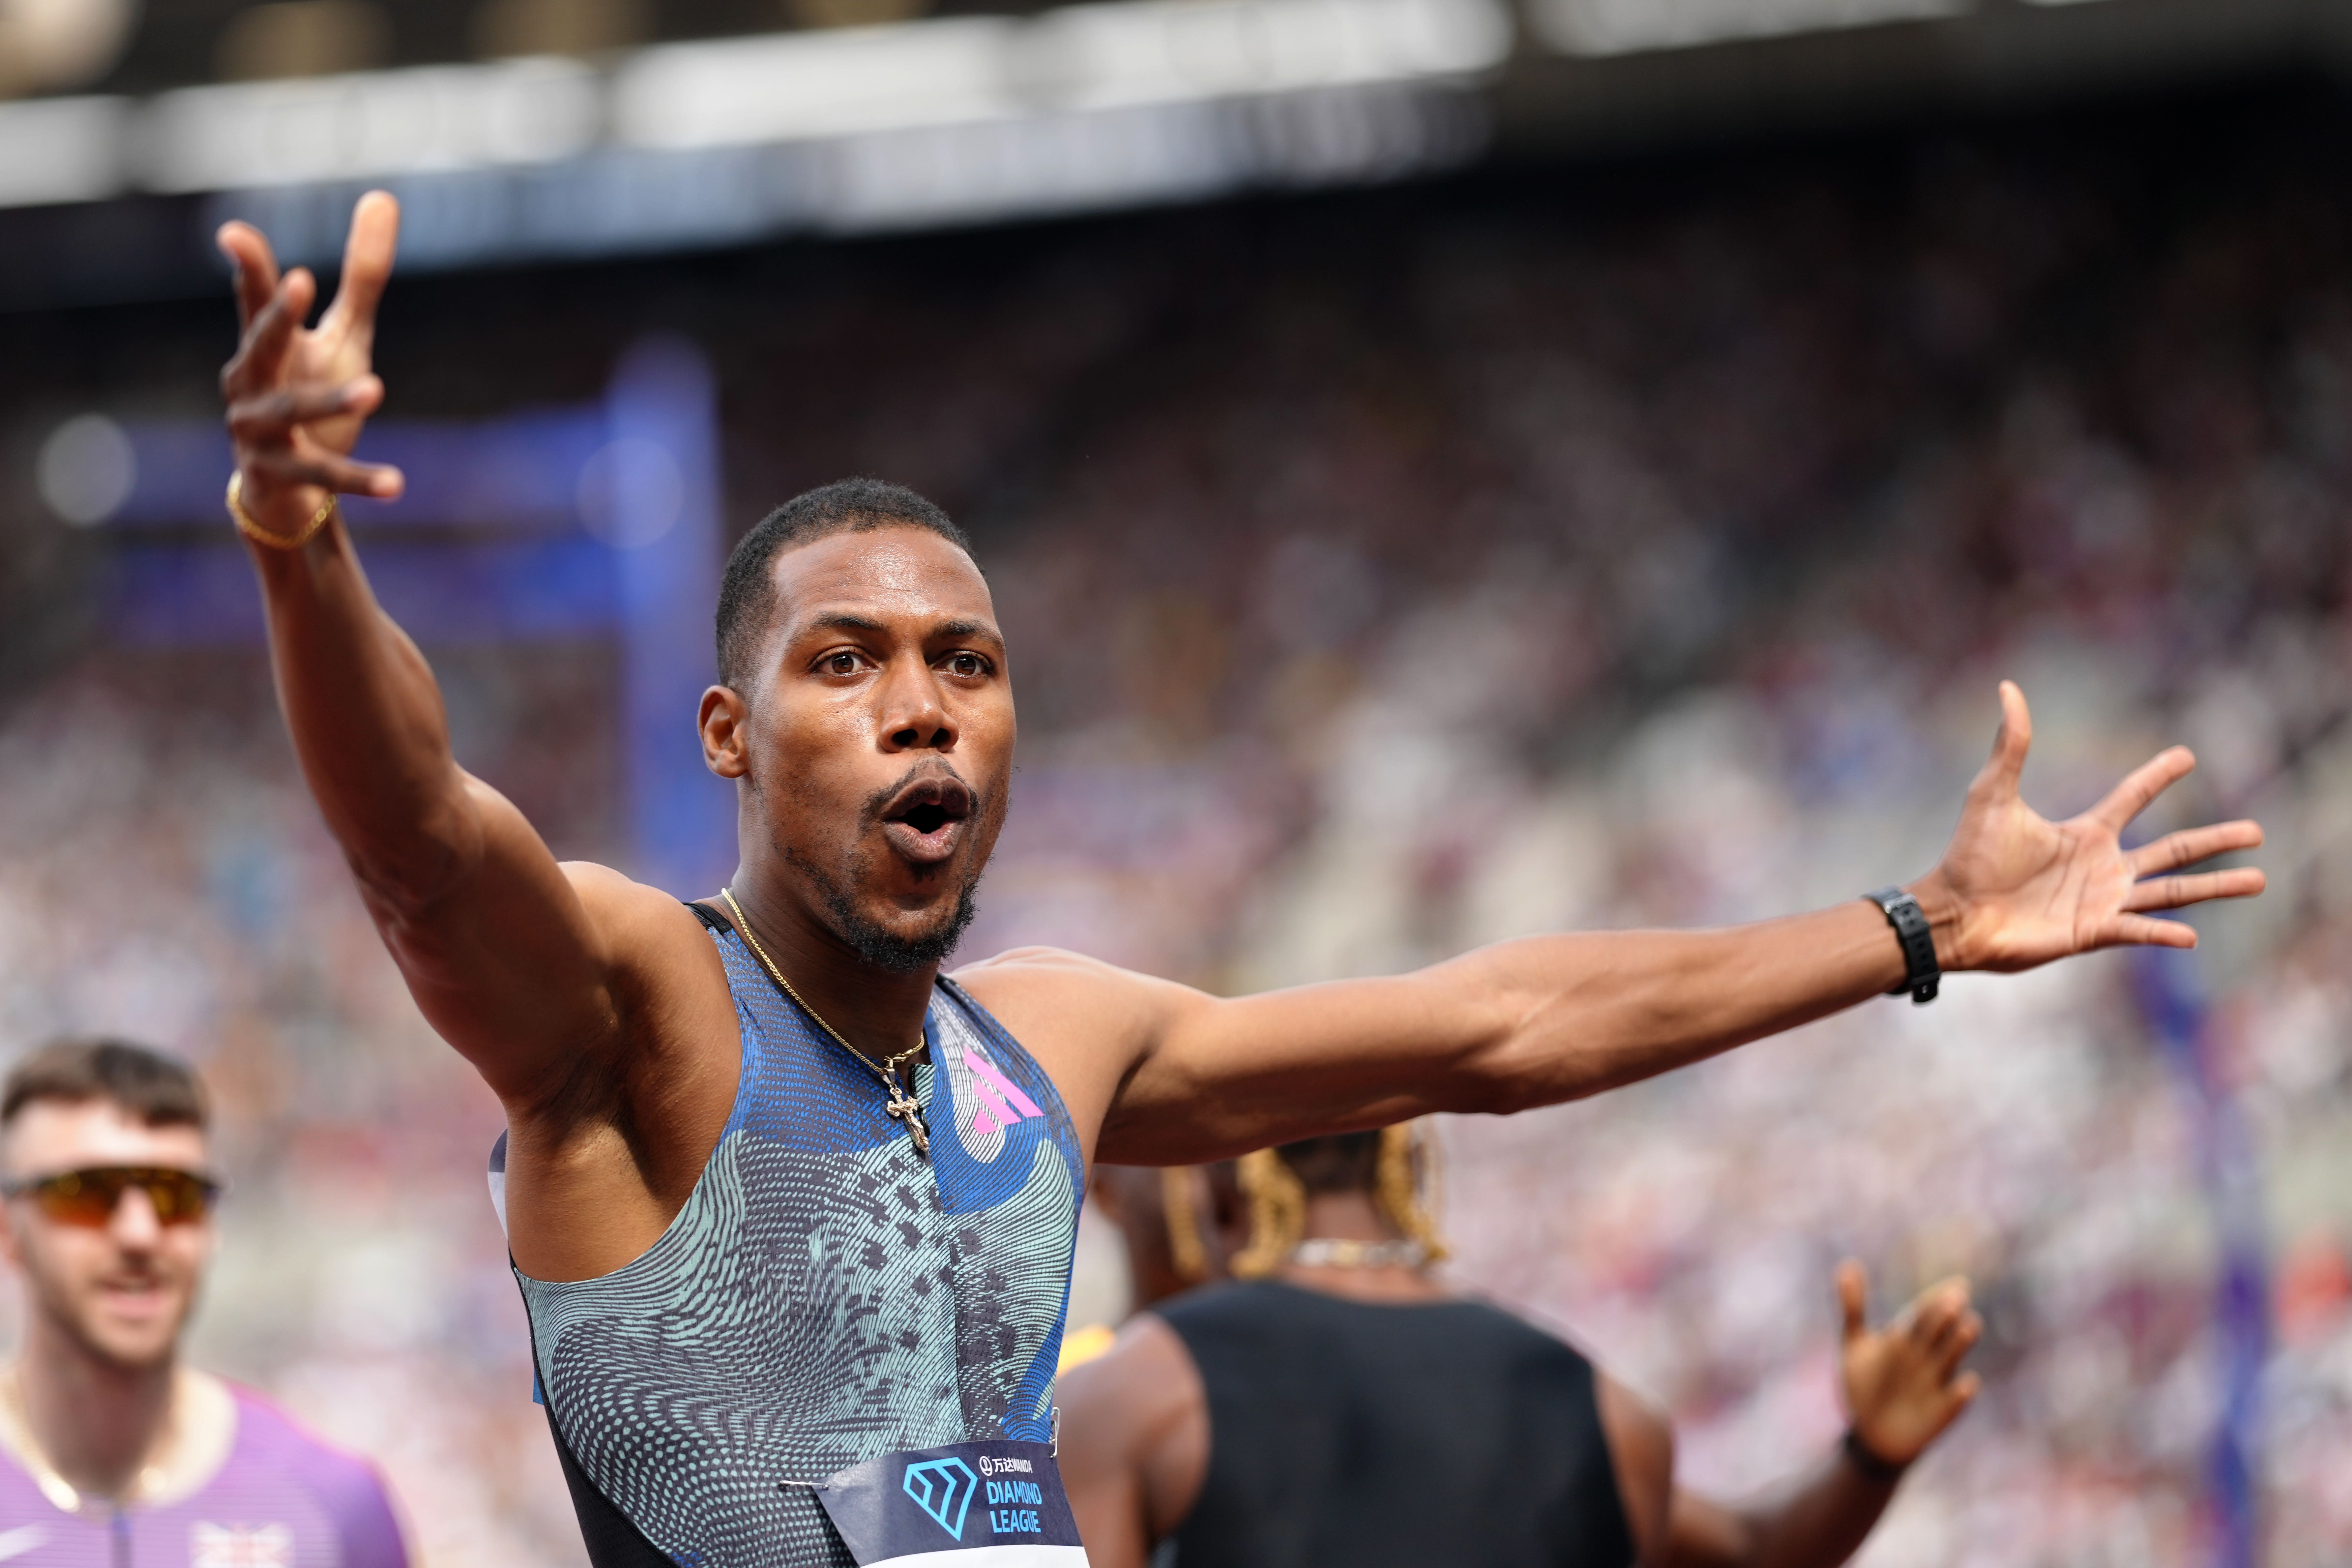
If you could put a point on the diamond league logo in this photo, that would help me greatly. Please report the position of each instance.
(942, 1489)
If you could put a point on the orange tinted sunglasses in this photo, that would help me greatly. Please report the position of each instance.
(91, 1197)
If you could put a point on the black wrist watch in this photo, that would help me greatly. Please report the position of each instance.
(1921, 974)
(1867, 1465)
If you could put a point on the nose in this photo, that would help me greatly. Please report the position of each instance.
(134, 1223)
(915, 715)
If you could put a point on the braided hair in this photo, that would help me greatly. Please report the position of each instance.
(1391, 1165)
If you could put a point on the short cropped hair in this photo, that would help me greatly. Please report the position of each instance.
(160, 1091)
(746, 594)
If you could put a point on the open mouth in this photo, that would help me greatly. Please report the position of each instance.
(924, 821)
(929, 817)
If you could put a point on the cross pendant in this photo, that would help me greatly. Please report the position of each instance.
(906, 1108)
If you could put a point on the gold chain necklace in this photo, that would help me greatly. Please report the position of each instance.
(1334, 1252)
(901, 1105)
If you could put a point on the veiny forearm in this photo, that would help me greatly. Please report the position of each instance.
(1818, 1523)
(368, 724)
(1575, 1015)
(1510, 1026)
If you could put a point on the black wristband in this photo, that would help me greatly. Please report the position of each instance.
(1867, 1465)
(1921, 973)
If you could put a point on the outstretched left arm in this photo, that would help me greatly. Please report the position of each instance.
(1173, 1076)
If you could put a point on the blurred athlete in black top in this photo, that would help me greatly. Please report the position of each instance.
(1337, 1405)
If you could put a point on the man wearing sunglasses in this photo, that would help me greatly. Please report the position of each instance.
(111, 1452)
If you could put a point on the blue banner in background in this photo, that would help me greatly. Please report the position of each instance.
(2165, 985)
(600, 520)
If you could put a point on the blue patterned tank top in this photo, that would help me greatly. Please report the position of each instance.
(826, 1295)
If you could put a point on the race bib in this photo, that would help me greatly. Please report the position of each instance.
(969, 1505)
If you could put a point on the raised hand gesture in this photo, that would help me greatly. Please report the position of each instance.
(297, 395)
(2015, 889)
(1902, 1383)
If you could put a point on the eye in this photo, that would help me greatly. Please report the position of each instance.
(969, 665)
(843, 661)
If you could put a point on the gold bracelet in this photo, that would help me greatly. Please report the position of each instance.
(261, 535)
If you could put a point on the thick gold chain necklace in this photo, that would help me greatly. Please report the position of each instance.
(901, 1105)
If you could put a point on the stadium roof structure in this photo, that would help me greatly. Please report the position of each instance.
(974, 118)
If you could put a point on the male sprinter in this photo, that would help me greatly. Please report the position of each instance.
(1340, 1406)
(793, 1212)
(113, 1455)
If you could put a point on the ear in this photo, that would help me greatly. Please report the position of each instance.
(725, 716)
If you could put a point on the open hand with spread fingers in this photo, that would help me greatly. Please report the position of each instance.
(2015, 889)
(296, 394)
(1903, 1384)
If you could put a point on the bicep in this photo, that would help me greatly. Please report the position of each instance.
(516, 961)
(1225, 1076)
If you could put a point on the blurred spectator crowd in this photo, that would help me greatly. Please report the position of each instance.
(1391, 574)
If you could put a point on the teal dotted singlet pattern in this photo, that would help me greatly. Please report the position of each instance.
(828, 1295)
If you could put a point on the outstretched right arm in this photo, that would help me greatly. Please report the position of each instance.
(520, 964)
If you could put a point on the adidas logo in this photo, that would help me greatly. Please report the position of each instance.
(998, 1100)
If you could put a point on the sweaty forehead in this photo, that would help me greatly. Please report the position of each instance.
(886, 574)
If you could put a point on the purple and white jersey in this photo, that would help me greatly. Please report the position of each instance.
(281, 1500)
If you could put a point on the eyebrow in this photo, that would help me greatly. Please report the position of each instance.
(841, 621)
(845, 621)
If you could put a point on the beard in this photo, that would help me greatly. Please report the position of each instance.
(885, 949)
(72, 1317)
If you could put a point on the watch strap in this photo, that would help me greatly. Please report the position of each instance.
(1867, 1463)
(1921, 974)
